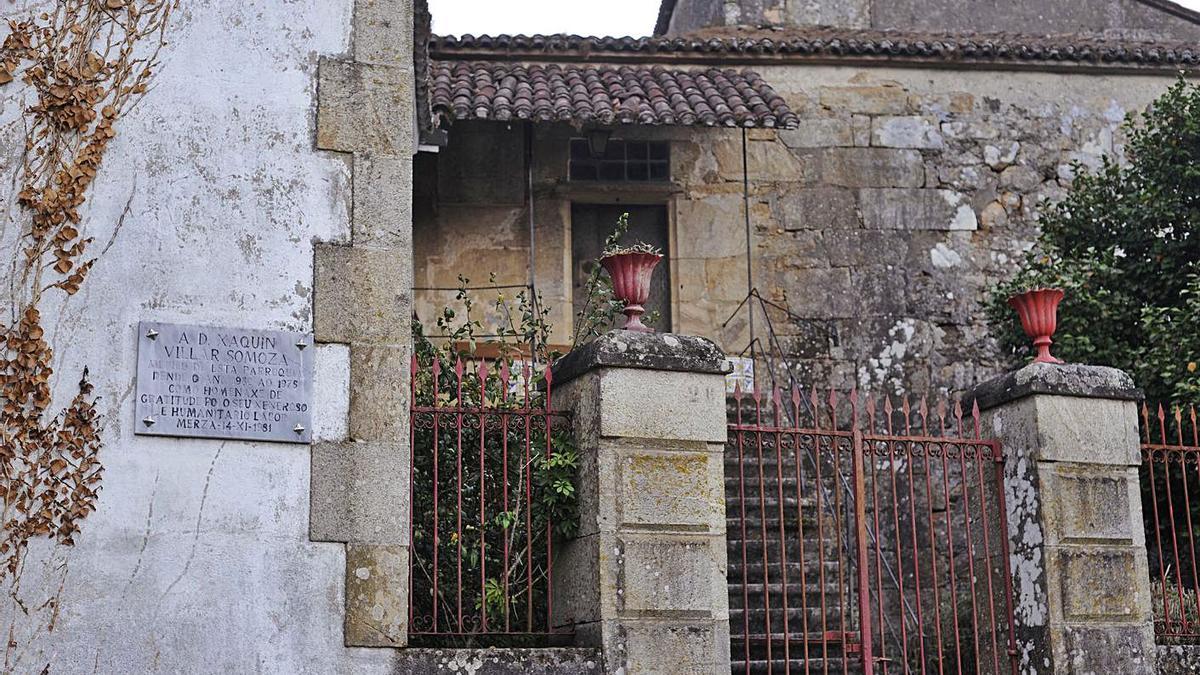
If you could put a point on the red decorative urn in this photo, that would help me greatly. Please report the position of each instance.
(1038, 309)
(631, 272)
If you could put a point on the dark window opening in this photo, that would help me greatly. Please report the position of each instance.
(631, 161)
(590, 226)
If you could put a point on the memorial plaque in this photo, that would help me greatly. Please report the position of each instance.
(211, 382)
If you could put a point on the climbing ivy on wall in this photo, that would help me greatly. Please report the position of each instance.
(75, 68)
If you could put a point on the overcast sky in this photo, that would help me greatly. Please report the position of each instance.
(585, 17)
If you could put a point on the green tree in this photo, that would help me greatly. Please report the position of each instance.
(1124, 245)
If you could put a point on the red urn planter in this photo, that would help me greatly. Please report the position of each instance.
(1038, 310)
(631, 274)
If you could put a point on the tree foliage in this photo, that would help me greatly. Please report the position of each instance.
(1125, 247)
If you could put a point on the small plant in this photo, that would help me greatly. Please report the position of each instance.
(1177, 608)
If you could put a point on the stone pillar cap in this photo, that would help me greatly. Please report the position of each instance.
(1056, 380)
(648, 351)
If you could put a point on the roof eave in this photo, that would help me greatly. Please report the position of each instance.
(734, 59)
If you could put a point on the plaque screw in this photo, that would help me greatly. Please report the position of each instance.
(152, 334)
(149, 421)
(301, 344)
(299, 428)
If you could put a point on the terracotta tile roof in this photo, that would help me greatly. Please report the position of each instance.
(744, 45)
(582, 93)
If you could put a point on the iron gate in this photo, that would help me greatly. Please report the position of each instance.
(865, 538)
(486, 508)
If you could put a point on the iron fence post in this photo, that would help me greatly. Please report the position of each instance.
(860, 528)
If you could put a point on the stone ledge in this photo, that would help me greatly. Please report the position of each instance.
(494, 661)
(646, 351)
(1056, 380)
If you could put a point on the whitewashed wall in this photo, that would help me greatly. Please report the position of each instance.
(198, 559)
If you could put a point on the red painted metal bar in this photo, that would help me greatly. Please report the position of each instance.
(482, 374)
(1168, 460)
(860, 535)
(966, 500)
(437, 543)
(505, 376)
(841, 527)
(863, 619)
(891, 446)
(528, 471)
(820, 490)
(912, 513)
(762, 521)
(949, 515)
(776, 401)
(737, 394)
(456, 588)
(923, 412)
(548, 377)
(800, 524)
(871, 454)
(413, 369)
(458, 531)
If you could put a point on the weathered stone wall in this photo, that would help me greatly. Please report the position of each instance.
(1178, 659)
(205, 211)
(1131, 19)
(880, 222)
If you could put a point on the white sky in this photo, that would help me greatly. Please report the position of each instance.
(584, 17)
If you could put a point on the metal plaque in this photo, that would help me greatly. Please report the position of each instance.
(211, 382)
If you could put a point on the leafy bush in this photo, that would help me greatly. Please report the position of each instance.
(1125, 247)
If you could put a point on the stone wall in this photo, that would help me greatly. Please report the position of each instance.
(880, 222)
(205, 211)
(1178, 659)
(1130, 19)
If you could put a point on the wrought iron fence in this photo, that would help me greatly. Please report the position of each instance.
(492, 465)
(1170, 479)
(865, 537)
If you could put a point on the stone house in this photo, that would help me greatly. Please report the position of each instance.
(870, 167)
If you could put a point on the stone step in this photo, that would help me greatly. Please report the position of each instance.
(754, 507)
(794, 590)
(754, 548)
(818, 620)
(498, 661)
(798, 666)
(812, 566)
(754, 523)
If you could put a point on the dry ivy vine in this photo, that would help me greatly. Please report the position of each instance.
(83, 63)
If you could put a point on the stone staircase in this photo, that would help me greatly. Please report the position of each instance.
(815, 640)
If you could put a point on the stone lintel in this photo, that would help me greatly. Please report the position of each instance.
(1056, 380)
(647, 351)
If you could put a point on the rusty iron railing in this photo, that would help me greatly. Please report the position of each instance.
(1170, 479)
(482, 537)
(865, 538)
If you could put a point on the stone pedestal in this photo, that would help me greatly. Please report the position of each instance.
(644, 580)
(1078, 558)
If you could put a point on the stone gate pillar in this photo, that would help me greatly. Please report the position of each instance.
(645, 578)
(1078, 557)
